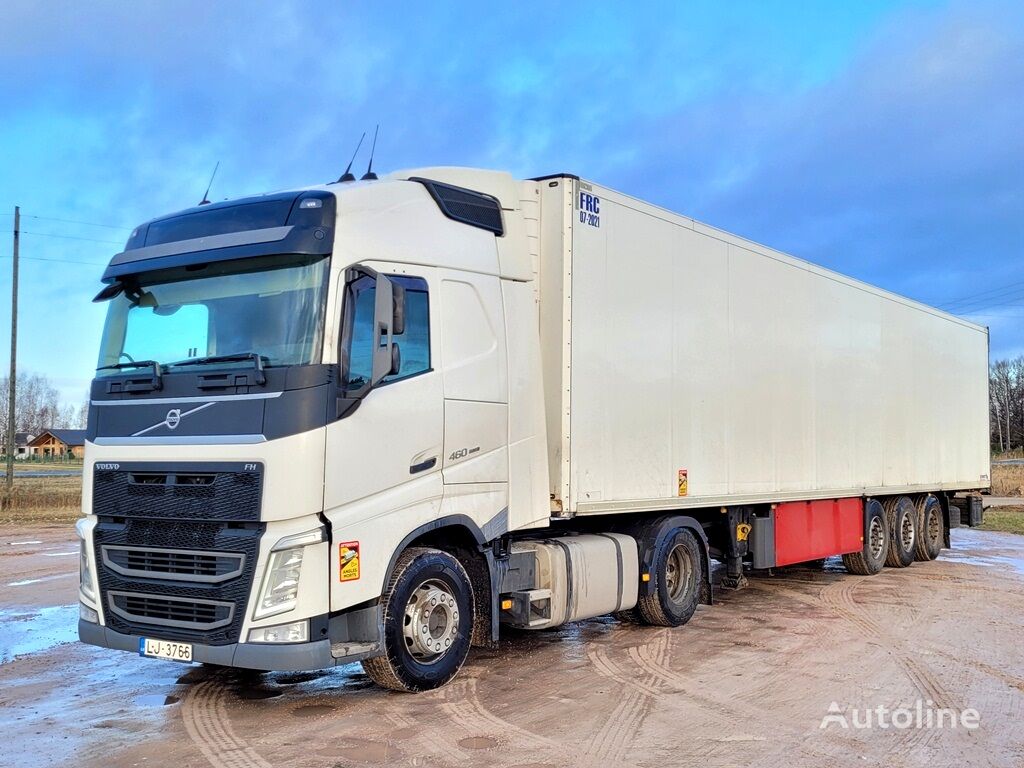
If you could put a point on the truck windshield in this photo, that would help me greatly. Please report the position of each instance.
(268, 306)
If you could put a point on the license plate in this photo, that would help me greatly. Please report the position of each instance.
(165, 649)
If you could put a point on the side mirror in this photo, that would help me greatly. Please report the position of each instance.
(396, 359)
(383, 324)
(398, 323)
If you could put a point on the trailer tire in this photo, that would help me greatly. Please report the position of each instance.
(428, 622)
(871, 557)
(902, 515)
(678, 574)
(930, 533)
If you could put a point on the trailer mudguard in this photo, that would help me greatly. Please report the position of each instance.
(649, 534)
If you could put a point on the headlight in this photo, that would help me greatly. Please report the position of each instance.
(85, 572)
(281, 583)
(85, 580)
(296, 632)
(280, 588)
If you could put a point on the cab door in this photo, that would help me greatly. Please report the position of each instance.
(383, 457)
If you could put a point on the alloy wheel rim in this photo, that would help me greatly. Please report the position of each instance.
(677, 574)
(876, 538)
(431, 621)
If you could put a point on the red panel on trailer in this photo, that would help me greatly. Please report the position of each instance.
(809, 530)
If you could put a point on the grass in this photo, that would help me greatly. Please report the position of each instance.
(1005, 519)
(33, 465)
(1007, 480)
(43, 499)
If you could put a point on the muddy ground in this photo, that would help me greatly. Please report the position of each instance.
(747, 682)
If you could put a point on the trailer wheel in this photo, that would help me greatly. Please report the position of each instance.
(929, 528)
(678, 574)
(871, 557)
(902, 517)
(428, 622)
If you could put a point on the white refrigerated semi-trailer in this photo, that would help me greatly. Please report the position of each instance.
(372, 421)
(675, 350)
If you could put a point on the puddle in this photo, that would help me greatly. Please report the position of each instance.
(980, 552)
(155, 700)
(313, 710)
(35, 630)
(26, 582)
(257, 694)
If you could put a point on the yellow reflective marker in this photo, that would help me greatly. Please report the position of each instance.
(506, 605)
(646, 577)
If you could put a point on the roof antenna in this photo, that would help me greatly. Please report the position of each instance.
(347, 175)
(370, 175)
(206, 194)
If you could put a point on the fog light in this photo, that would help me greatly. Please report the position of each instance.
(85, 613)
(295, 632)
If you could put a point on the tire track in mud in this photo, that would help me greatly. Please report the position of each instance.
(429, 739)
(622, 725)
(207, 723)
(838, 597)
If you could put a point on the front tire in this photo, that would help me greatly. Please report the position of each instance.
(902, 517)
(678, 572)
(428, 622)
(930, 528)
(871, 557)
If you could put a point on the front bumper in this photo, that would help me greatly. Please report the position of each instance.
(284, 657)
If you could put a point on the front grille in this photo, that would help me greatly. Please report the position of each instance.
(145, 587)
(169, 611)
(186, 491)
(175, 564)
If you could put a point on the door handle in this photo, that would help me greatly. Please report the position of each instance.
(423, 466)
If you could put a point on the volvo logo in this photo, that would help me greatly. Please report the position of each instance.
(172, 419)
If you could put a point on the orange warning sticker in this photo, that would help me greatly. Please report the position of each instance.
(348, 560)
(683, 489)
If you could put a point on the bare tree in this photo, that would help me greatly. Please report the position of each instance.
(38, 406)
(1006, 403)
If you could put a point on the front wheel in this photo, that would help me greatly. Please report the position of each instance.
(428, 621)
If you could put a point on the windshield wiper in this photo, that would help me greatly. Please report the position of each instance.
(156, 382)
(238, 357)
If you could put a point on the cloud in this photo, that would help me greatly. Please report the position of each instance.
(882, 143)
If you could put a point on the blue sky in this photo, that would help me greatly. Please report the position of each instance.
(880, 139)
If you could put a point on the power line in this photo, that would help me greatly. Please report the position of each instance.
(84, 223)
(968, 298)
(62, 261)
(71, 221)
(72, 237)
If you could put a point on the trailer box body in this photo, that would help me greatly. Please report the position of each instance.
(687, 367)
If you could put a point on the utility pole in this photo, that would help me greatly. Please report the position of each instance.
(9, 480)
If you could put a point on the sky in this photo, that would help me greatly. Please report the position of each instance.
(881, 139)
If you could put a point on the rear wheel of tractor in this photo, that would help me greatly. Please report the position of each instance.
(871, 557)
(930, 528)
(902, 516)
(428, 622)
(678, 575)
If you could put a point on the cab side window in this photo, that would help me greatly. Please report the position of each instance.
(413, 343)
